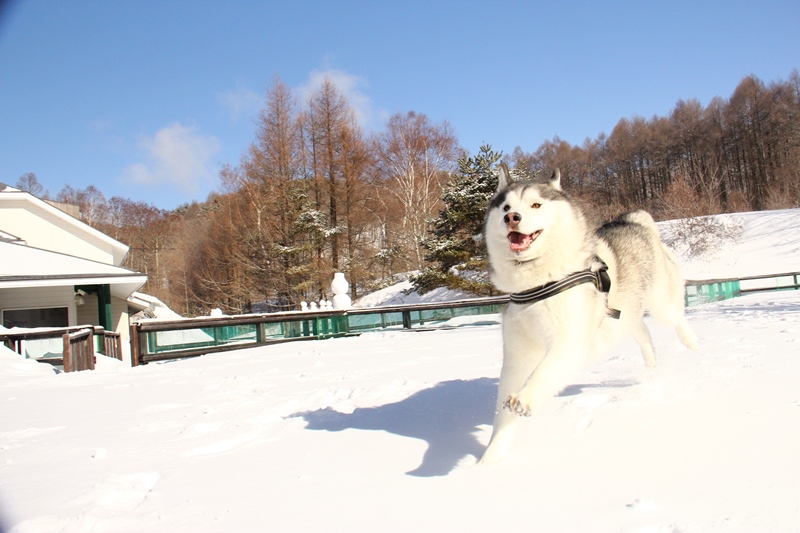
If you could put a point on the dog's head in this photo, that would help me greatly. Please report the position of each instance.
(520, 216)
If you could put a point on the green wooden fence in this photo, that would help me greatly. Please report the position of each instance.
(155, 340)
(703, 291)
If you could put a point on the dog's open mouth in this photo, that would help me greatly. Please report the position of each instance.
(519, 242)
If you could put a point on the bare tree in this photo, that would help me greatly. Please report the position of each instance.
(91, 200)
(328, 114)
(415, 157)
(30, 183)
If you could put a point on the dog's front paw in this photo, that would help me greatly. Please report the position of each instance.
(514, 404)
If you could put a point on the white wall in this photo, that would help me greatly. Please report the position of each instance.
(121, 317)
(87, 313)
(40, 297)
(41, 228)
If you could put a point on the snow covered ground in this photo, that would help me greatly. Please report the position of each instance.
(381, 433)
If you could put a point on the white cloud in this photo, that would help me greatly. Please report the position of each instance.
(176, 156)
(240, 103)
(349, 85)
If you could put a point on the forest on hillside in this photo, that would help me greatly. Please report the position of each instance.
(314, 194)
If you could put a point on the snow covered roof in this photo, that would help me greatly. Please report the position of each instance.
(25, 266)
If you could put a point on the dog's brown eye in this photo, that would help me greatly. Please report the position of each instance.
(536, 205)
(506, 207)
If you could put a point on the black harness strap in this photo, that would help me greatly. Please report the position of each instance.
(599, 277)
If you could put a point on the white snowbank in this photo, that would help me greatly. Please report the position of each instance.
(13, 366)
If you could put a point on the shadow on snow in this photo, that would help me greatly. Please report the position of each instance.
(446, 416)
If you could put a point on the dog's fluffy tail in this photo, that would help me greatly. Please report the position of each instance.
(642, 218)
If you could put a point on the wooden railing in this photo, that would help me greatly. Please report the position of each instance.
(78, 351)
(155, 340)
(112, 344)
(95, 337)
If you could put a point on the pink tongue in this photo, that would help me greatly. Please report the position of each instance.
(519, 241)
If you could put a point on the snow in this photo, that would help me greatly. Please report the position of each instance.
(152, 307)
(403, 293)
(381, 432)
(764, 242)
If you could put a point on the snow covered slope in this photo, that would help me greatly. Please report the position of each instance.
(764, 242)
(402, 293)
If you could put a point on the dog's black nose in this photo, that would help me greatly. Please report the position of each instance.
(515, 217)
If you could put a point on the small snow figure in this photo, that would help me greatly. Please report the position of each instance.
(304, 306)
(314, 306)
(339, 288)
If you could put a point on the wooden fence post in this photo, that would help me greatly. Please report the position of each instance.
(136, 347)
(89, 351)
(67, 353)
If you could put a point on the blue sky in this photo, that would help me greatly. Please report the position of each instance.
(148, 99)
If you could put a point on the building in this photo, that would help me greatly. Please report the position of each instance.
(56, 271)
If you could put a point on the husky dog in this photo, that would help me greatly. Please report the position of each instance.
(575, 291)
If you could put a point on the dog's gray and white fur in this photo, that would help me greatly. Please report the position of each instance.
(535, 234)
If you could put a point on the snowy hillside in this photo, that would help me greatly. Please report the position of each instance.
(748, 244)
(764, 242)
(402, 293)
(381, 432)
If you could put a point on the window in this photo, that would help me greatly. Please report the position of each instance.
(53, 317)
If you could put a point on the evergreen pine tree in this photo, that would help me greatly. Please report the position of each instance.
(455, 246)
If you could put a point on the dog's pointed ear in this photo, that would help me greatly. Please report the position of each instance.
(504, 177)
(555, 179)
